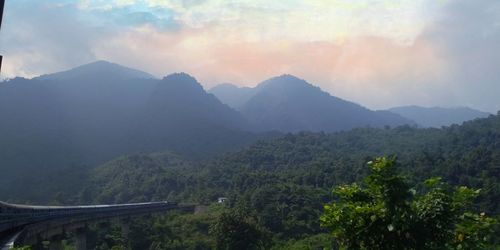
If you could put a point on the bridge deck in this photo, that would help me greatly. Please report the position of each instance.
(27, 222)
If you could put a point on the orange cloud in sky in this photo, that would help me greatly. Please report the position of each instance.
(351, 68)
(213, 59)
(378, 53)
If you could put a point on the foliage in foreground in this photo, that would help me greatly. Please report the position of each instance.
(384, 213)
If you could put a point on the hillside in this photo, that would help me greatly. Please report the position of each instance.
(180, 115)
(133, 177)
(437, 117)
(282, 183)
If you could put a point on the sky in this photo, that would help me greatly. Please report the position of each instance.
(378, 53)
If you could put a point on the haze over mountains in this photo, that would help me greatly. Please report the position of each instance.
(107, 109)
(233, 95)
(88, 115)
(99, 111)
(437, 117)
(290, 104)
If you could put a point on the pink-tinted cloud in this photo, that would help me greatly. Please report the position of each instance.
(375, 52)
(349, 68)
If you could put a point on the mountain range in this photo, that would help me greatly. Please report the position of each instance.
(85, 116)
(289, 104)
(96, 112)
(437, 116)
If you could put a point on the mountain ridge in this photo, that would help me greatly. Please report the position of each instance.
(438, 116)
(289, 104)
(100, 66)
(85, 120)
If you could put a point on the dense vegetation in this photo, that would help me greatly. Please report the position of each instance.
(467, 155)
(53, 133)
(280, 185)
(383, 212)
(65, 123)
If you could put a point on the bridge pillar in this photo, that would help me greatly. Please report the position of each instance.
(81, 238)
(56, 243)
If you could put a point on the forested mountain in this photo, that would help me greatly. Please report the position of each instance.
(171, 140)
(467, 155)
(91, 114)
(282, 183)
(437, 117)
(129, 178)
(290, 104)
(180, 115)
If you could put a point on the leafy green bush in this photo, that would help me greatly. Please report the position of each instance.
(233, 231)
(385, 213)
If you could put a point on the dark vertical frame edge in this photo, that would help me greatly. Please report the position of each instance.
(2, 3)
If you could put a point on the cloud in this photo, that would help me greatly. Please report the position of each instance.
(467, 34)
(452, 62)
(375, 52)
(300, 20)
(39, 37)
(340, 67)
(295, 19)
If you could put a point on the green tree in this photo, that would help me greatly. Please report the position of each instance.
(233, 231)
(385, 213)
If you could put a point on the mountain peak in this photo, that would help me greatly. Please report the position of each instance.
(285, 81)
(288, 103)
(180, 76)
(182, 80)
(285, 78)
(99, 63)
(289, 77)
(99, 68)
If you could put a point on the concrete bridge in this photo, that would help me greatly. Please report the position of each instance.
(30, 225)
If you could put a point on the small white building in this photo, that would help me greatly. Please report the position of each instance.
(221, 200)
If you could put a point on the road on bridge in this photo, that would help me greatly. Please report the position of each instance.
(29, 225)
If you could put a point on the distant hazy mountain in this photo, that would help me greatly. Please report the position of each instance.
(99, 111)
(290, 104)
(99, 69)
(232, 95)
(438, 117)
